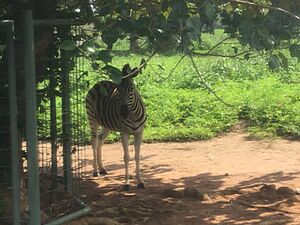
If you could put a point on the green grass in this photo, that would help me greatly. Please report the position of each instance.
(180, 108)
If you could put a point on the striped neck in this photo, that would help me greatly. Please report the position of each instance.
(125, 88)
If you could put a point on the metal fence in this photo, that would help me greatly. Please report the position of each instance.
(49, 157)
(9, 163)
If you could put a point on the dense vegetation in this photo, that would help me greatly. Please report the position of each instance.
(180, 107)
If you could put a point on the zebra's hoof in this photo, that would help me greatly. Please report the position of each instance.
(126, 187)
(96, 174)
(141, 186)
(103, 172)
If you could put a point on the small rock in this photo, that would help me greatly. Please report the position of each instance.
(174, 193)
(231, 191)
(206, 197)
(297, 191)
(194, 193)
(286, 191)
(268, 187)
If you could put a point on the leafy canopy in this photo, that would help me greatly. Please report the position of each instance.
(260, 26)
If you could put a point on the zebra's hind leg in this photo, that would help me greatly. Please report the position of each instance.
(101, 139)
(124, 139)
(94, 146)
(137, 147)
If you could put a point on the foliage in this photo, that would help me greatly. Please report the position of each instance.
(266, 30)
(260, 26)
(268, 101)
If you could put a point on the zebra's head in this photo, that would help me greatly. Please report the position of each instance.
(128, 72)
(127, 86)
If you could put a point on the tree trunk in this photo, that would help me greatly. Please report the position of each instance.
(134, 47)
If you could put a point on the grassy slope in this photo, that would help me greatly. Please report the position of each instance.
(180, 108)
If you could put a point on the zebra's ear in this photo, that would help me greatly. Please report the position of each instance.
(135, 72)
(126, 69)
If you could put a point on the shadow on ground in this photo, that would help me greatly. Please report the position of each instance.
(200, 199)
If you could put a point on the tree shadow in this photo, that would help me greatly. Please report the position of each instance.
(252, 201)
(243, 203)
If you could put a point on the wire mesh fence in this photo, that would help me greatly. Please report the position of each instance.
(60, 132)
(5, 162)
(9, 154)
(61, 152)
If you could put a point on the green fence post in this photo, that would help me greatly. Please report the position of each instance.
(53, 131)
(66, 122)
(14, 140)
(31, 119)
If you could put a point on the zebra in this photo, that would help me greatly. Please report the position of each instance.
(117, 108)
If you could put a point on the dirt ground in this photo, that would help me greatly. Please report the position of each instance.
(227, 180)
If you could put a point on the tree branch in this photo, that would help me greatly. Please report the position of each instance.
(267, 7)
(173, 69)
(218, 44)
(221, 55)
(204, 82)
(208, 53)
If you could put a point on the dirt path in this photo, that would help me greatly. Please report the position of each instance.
(226, 180)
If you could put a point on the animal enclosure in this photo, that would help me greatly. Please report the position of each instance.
(45, 144)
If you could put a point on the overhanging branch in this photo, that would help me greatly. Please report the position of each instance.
(222, 55)
(267, 7)
(204, 82)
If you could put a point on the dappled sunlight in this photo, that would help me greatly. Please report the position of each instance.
(207, 182)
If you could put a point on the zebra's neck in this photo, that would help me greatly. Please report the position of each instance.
(126, 89)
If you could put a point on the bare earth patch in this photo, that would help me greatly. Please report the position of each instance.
(226, 180)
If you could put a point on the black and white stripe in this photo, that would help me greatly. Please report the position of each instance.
(116, 108)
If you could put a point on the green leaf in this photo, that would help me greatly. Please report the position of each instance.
(179, 10)
(284, 60)
(295, 50)
(161, 67)
(104, 56)
(235, 50)
(110, 36)
(126, 25)
(114, 73)
(247, 56)
(105, 10)
(89, 46)
(193, 24)
(164, 5)
(209, 10)
(142, 25)
(67, 45)
(95, 66)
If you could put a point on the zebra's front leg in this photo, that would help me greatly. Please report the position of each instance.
(124, 139)
(101, 139)
(137, 147)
